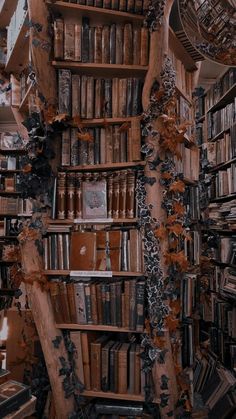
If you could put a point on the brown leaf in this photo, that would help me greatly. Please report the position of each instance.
(61, 117)
(160, 232)
(159, 342)
(177, 186)
(174, 244)
(85, 136)
(171, 323)
(178, 208)
(166, 175)
(175, 307)
(177, 229)
(171, 219)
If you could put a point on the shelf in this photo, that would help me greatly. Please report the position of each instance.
(99, 69)
(7, 193)
(190, 181)
(222, 165)
(20, 50)
(104, 121)
(7, 8)
(24, 103)
(102, 274)
(95, 327)
(224, 100)
(223, 264)
(109, 395)
(224, 198)
(94, 221)
(8, 238)
(69, 9)
(105, 166)
(12, 152)
(10, 171)
(180, 52)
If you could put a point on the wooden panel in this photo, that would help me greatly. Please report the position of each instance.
(105, 166)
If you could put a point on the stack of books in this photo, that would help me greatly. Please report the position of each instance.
(137, 6)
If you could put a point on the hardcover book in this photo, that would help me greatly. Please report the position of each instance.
(13, 395)
(94, 199)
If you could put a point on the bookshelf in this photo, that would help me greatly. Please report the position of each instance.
(21, 44)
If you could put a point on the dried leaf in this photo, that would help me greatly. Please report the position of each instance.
(174, 244)
(171, 219)
(177, 186)
(160, 232)
(178, 208)
(61, 117)
(177, 229)
(85, 136)
(171, 323)
(159, 342)
(166, 175)
(175, 307)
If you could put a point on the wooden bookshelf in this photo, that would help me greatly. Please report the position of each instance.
(95, 327)
(102, 274)
(224, 100)
(117, 396)
(103, 121)
(7, 193)
(224, 198)
(19, 50)
(222, 165)
(105, 166)
(94, 221)
(102, 69)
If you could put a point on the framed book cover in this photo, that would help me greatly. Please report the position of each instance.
(94, 199)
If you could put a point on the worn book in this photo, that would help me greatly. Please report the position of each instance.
(58, 26)
(94, 199)
(83, 251)
(13, 395)
(96, 362)
(123, 368)
(76, 93)
(85, 39)
(69, 42)
(64, 91)
(86, 339)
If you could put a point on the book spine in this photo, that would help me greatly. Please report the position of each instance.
(74, 147)
(94, 304)
(64, 91)
(55, 299)
(136, 46)
(123, 5)
(138, 7)
(98, 3)
(116, 144)
(69, 42)
(119, 44)
(140, 290)
(91, 146)
(115, 4)
(64, 302)
(115, 196)
(106, 44)
(118, 305)
(83, 96)
(70, 197)
(88, 305)
(58, 26)
(61, 196)
(107, 4)
(85, 39)
(122, 371)
(124, 250)
(126, 304)
(97, 146)
(99, 303)
(132, 305)
(78, 195)
(107, 98)
(115, 97)
(123, 147)
(129, 97)
(136, 139)
(107, 304)
(144, 46)
(127, 47)
(76, 95)
(96, 366)
(91, 44)
(80, 303)
(65, 148)
(90, 97)
(78, 39)
(130, 194)
(98, 45)
(99, 95)
(113, 44)
(122, 97)
(122, 194)
(60, 251)
(71, 302)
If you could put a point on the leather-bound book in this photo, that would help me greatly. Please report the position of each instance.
(64, 91)
(66, 245)
(144, 46)
(115, 97)
(135, 250)
(69, 42)
(122, 97)
(98, 44)
(123, 147)
(127, 298)
(135, 139)
(105, 382)
(83, 152)
(61, 196)
(114, 367)
(74, 147)
(123, 5)
(130, 6)
(137, 92)
(76, 81)
(136, 45)
(78, 195)
(116, 196)
(103, 259)
(55, 299)
(84, 96)
(119, 44)
(86, 339)
(113, 44)
(123, 368)
(106, 4)
(107, 110)
(80, 303)
(94, 308)
(140, 292)
(107, 304)
(138, 7)
(128, 47)
(137, 371)
(91, 147)
(106, 44)
(83, 251)
(91, 44)
(103, 295)
(115, 4)
(90, 97)
(54, 251)
(102, 146)
(96, 362)
(109, 194)
(116, 144)
(130, 199)
(75, 337)
(70, 195)
(122, 194)
(88, 304)
(132, 304)
(97, 132)
(65, 148)
(119, 304)
(132, 354)
(123, 309)
(98, 3)
(64, 302)
(99, 302)
(58, 27)
(71, 302)
(78, 42)
(115, 249)
(113, 303)
(82, 2)
(129, 96)
(85, 39)
(99, 98)
(124, 252)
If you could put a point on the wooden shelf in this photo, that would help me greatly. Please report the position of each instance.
(222, 165)
(12, 152)
(7, 193)
(94, 221)
(102, 274)
(7, 8)
(10, 171)
(104, 121)
(181, 52)
(24, 103)
(102, 69)
(224, 198)
(6, 114)
(182, 93)
(189, 181)
(8, 238)
(225, 99)
(20, 50)
(95, 327)
(109, 395)
(70, 9)
(105, 166)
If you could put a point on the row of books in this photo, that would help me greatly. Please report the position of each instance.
(221, 120)
(96, 195)
(10, 227)
(106, 145)
(131, 6)
(227, 247)
(10, 183)
(223, 214)
(108, 44)
(192, 247)
(199, 106)
(187, 344)
(221, 345)
(15, 24)
(220, 88)
(15, 206)
(222, 150)
(188, 294)
(107, 364)
(189, 164)
(96, 301)
(223, 182)
(192, 203)
(89, 97)
(10, 162)
(112, 250)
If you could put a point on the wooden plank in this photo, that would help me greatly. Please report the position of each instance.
(20, 51)
(105, 166)
(7, 8)
(102, 69)
(225, 99)
(103, 121)
(98, 273)
(24, 103)
(102, 328)
(24, 411)
(117, 396)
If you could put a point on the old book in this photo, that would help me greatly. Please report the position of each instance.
(137, 90)
(95, 199)
(76, 110)
(78, 195)
(70, 195)
(102, 154)
(119, 304)
(112, 44)
(96, 362)
(85, 39)
(80, 303)
(99, 98)
(88, 303)
(129, 96)
(91, 44)
(135, 140)
(123, 147)
(127, 46)
(130, 199)
(107, 304)
(115, 4)
(119, 44)
(58, 27)
(103, 296)
(69, 41)
(61, 196)
(113, 303)
(135, 250)
(122, 194)
(105, 382)
(71, 302)
(140, 291)
(116, 196)
(90, 97)
(89, 2)
(78, 42)
(115, 97)
(103, 254)
(124, 252)
(98, 3)
(132, 304)
(106, 44)
(83, 104)
(123, 368)
(97, 132)
(122, 97)
(94, 309)
(123, 5)
(99, 302)
(144, 46)
(109, 194)
(116, 144)
(75, 337)
(64, 302)
(83, 251)
(113, 377)
(132, 355)
(90, 147)
(138, 7)
(66, 246)
(64, 91)
(65, 147)
(107, 110)
(74, 147)
(137, 371)
(115, 249)
(86, 339)
(60, 251)
(136, 46)
(98, 44)
(56, 303)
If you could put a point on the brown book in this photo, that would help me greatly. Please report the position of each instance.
(115, 97)
(58, 27)
(65, 148)
(113, 376)
(138, 7)
(103, 259)
(76, 95)
(83, 110)
(123, 368)
(136, 46)
(144, 46)
(135, 139)
(130, 6)
(127, 297)
(132, 304)
(116, 196)
(123, 146)
(56, 302)
(90, 97)
(69, 41)
(123, 309)
(94, 309)
(122, 194)
(83, 251)
(109, 194)
(132, 355)
(130, 199)
(78, 39)
(86, 339)
(113, 44)
(85, 39)
(99, 303)
(59, 245)
(105, 385)
(91, 144)
(96, 362)
(88, 303)
(99, 94)
(107, 108)
(64, 91)
(98, 44)
(115, 4)
(102, 146)
(71, 302)
(75, 337)
(137, 371)
(123, 5)
(127, 46)
(135, 250)
(61, 196)
(106, 44)
(74, 147)
(116, 144)
(80, 303)
(122, 97)
(129, 100)
(91, 44)
(115, 249)
(107, 4)
(64, 302)
(70, 195)
(119, 44)
(78, 195)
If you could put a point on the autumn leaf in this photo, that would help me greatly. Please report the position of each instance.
(85, 136)
(160, 232)
(159, 94)
(159, 342)
(171, 219)
(173, 244)
(175, 306)
(177, 186)
(166, 175)
(177, 229)
(178, 208)
(171, 323)
(60, 117)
